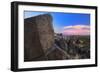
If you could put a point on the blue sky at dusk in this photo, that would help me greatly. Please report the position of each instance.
(67, 23)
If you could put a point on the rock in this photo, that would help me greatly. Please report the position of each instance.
(56, 53)
(38, 36)
(45, 31)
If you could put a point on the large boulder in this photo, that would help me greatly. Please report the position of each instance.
(38, 37)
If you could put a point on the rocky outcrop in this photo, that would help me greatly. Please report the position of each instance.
(38, 36)
(45, 31)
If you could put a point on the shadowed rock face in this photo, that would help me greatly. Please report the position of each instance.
(38, 36)
(45, 31)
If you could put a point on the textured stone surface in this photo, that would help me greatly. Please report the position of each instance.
(38, 36)
(45, 30)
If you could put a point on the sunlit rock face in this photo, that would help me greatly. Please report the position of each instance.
(38, 37)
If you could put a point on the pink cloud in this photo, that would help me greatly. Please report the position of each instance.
(77, 30)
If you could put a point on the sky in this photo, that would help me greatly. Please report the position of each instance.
(66, 23)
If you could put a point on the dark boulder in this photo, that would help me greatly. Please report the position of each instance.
(38, 36)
